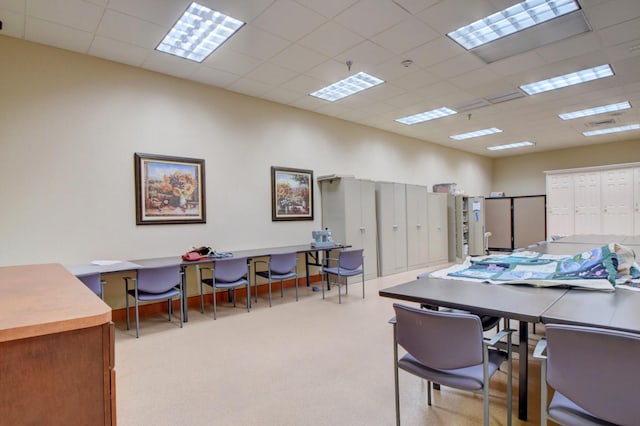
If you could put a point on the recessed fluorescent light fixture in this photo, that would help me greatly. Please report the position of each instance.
(476, 134)
(612, 130)
(595, 110)
(426, 116)
(347, 87)
(198, 33)
(510, 146)
(570, 79)
(511, 20)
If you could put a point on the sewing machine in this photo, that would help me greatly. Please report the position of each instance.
(322, 238)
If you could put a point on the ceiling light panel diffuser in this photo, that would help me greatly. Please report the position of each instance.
(476, 134)
(347, 87)
(198, 33)
(570, 79)
(426, 116)
(612, 130)
(595, 110)
(511, 146)
(511, 20)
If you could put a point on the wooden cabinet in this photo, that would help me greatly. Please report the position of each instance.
(349, 210)
(594, 200)
(391, 216)
(57, 349)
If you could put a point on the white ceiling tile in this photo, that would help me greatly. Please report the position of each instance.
(71, 13)
(364, 55)
(621, 33)
(393, 69)
(308, 102)
(118, 26)
(57, 35)
(161, 12)
(415, 80)
(330, 39)
(518, 63)
(434, 52)
(249, 87)
(475, 78)
(385, 92)
(13, 23)
(407, 35)
(298, 22)
(456, 66)
(303, 84)
(257, 43)
(331, 71)
(246, 11)
(568, 48)
(447, 16)
(18, 6)
(297, 58)
(271, 74)
(327, 8)
(225, 58)
(281, 95)
(169, 64)
(612, 12)
(118, 51)
(214, 77)
(415, 6)
(406, 98)
(98, 2)
(380, 16)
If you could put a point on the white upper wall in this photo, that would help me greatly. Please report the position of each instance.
(71, 124)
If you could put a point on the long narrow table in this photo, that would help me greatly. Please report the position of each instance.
(518, 302)
(312, 258)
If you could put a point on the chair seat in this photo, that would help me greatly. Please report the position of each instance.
(467, 378)
(343, 272)
(265, 274)
(563, 410)
(222, 284)
(148, 297)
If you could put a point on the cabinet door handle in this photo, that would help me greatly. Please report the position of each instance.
(362, 228)
(395, 226)
(418, 226)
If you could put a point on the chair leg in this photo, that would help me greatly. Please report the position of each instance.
(137, 320)
(339, 281)
(363, 283)
(269, 291)
(169, 308)
(429, 392)
(126, 296)
(296, 286)
(201, 299)
(213, 289)
(322, 284)
(248, 297)
(181, 304)
(281, 288)
(395, 374)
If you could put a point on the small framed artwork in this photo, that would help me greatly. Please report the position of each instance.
(169, 190)
(291, 194)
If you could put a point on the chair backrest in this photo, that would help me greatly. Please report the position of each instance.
(230, 269)
(443, 340)
(350, 259)
(92, 281)
(283, 262)
(158, 279)
(596, 369)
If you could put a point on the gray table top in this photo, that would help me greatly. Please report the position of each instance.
(619, 310)
(519, 302)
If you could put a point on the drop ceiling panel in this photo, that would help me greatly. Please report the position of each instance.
(620, 33)
(297, 58)
(298, 21)
(327, 8)
(380, 16)
(214, 77)
(612, 12)
(331, 39)
(161, 12)
(41, 31)
(118, 26)
(118, 51)
(271, 74)
(407, 35)
(71, 13)
(434, 52)
(231, 61)
(253, 41)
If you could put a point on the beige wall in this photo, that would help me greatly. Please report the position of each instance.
(71, 123)
(524, 174)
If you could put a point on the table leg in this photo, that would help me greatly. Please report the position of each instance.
(185, 302)
(306, 263)
(523, 382)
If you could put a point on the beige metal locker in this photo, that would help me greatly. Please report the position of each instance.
(349, 210)
(498, 222)
(438, 228)
(391, 216)
(529, 225)
(417, 227)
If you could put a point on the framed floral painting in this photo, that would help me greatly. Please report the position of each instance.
(169, 190)
(291, 194)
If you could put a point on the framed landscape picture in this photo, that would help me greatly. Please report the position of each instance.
(291, 194)
(169, 190)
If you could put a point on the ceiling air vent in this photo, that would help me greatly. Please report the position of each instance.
(601, 123)
(468, 106)
(505, 96)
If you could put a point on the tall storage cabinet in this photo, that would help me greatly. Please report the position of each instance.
(594, 200)
(437, 228)
(417, 227)
(515, 222)
(391, 215)
(349, 210)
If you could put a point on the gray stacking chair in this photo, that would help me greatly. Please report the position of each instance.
(153, 284)
(93, 281)
(594, 373)
(350, 263)
(280, 267)
(228, 273)
(448, 348)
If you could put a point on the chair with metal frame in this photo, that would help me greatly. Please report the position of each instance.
(349, 263)
(594, 373)
(152, 284)
(229, 273)
(280, 267)
(449, 348)
(93, 282)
